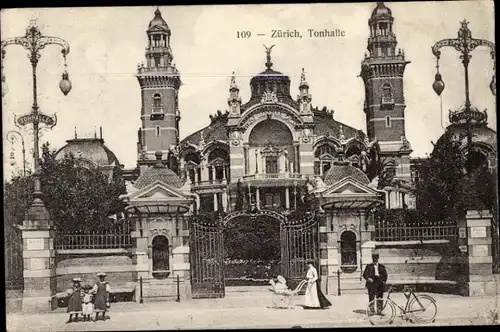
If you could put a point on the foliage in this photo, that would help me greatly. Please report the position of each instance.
(253, 239)
(77, 198)
(444, 191)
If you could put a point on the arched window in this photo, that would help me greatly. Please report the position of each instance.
(324, 156)
(348, 252)
(219, 161)
(161, 257)
(192, 167)
(156, 100)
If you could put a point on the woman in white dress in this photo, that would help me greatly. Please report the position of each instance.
(314, 298)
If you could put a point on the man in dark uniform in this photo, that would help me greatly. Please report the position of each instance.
(375, 275)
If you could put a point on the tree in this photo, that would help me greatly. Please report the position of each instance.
(445, 191)
(77, 198)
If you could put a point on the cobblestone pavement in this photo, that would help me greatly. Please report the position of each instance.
(250, 312)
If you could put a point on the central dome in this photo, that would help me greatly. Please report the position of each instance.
(272, 81)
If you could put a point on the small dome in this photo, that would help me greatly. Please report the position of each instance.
(381, 10)
(158, 173)
(339, 172)
(158, 21)
(91, 149)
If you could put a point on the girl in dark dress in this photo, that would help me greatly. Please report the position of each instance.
(75, 300)
(101, 292)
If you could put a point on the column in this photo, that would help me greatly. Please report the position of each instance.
(256, 162)
(329, 251)
(297, 160)
(287, 198)
(224, 200)
(40, 282)
(281, 165)
(216, 202)
(475, 244)
(257, 197)
(263, 161)
(212, 169)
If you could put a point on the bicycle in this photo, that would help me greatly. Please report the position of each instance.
(413, 310)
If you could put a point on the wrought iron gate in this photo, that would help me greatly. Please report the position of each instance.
(13, 258)
(299, 244)
(207, 257)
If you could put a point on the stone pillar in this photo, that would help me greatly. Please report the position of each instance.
(39, 269)
(181, 268)
(476, 243)
(332, 252)
(140, 258)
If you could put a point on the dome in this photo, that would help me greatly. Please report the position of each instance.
(339, 172)
(158, 21)
(91, 149)
(158, 173)
(270, 79)
(380, 11)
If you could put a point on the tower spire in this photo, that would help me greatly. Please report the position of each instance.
(234, 100)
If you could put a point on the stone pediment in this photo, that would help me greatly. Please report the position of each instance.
(349, 186)
(158, 191)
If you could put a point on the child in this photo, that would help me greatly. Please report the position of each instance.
(101, 290)
(75, 300)
(280, 286)
(88, 306)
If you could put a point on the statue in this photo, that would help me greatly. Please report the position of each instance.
(269, 64)
(374, 183)
(320, 184)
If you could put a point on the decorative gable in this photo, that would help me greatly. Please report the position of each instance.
(158, 191)
(349, 186)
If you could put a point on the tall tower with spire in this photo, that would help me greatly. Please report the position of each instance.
(382, 73)
(160, 81)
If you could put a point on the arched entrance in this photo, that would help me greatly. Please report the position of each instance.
(297, 235)
(161, 257)
(348, 252)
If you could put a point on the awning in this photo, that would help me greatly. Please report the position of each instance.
(146, 210)
(352, 204)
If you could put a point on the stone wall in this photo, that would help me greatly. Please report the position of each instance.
(408, 260)
(120, 269)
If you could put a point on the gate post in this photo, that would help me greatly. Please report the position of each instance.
(39, 267)
(475, 240)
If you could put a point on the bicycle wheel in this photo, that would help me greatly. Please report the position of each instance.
(422, 309)
(384, 317)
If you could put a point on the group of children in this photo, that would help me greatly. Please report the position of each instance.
(88, 300)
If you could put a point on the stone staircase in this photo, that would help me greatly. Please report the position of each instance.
(351, 284)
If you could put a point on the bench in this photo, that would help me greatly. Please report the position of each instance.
(122, 292)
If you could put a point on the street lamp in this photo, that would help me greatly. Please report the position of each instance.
(34, 42)
(464, 44)
(11, 136)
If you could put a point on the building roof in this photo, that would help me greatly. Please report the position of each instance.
(158, 21)
(158, 173)
(381, 10)
(92, 149)
(339, 172)
(216, 130)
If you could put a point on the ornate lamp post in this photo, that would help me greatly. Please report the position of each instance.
(11, 136)
(464, 44)
(34, 43)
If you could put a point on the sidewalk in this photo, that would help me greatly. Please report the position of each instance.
(248, 312)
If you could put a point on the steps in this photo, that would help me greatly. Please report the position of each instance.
(352, 285)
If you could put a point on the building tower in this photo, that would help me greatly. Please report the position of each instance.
(160, 82)
(382, 72)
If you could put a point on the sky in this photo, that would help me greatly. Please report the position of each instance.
(107, 43)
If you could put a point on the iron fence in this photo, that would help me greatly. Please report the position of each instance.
(106, 239)
(437, 230)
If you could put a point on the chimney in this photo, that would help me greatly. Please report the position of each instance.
(100, 131)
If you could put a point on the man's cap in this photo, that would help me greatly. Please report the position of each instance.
(77, 280)
(101, 274)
